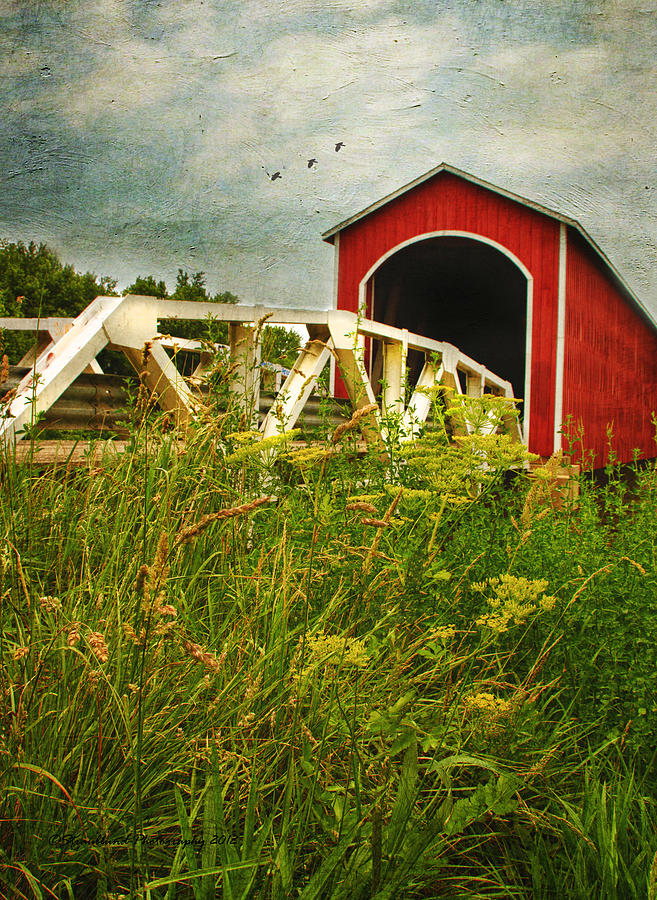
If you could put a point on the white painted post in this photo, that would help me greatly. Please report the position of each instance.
(511, 421)
(475, 384)
(394, 376)
(561, 339)
(245, 357)
(343, 328)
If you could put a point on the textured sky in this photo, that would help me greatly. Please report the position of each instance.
(139, 136)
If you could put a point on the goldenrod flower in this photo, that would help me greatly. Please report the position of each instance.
(329, 649)
(334, 649)
(514, 599)
(302, 456)
(485, 702)
(242, 437)
(488, 711)
(260, 446)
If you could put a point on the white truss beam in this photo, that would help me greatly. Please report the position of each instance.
(47, 331)
(298, 386)
(344, 330)
(129, 323)
(58, 366)
(133, 329)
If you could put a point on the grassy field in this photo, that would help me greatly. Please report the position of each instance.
(307, 673)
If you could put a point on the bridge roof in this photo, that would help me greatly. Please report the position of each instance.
(329, 235)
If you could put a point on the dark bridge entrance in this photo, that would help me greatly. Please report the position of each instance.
(460, 290)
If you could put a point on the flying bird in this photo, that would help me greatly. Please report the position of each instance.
(339, 146)
(275, 176)
(311, 163)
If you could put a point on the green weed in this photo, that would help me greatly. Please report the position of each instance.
(318, 674)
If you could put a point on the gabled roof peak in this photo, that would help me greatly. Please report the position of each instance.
(459, 173)
(329, 235)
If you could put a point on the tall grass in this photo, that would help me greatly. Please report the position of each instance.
(304, 673)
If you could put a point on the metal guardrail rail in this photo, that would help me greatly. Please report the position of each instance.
(100, 403)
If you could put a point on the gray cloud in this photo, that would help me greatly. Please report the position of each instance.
(138, 135)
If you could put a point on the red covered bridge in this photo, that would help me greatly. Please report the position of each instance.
(518, 287)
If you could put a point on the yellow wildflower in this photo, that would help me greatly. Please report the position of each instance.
(366, 498)
(307, 455)
(442, 632)
(329, 649)
(513, 599)
(242, 437)
(260, 446)
(485, 702)
(335, 649)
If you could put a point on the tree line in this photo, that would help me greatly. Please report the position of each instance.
(35, 283)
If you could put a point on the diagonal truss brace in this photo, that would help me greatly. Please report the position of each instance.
(296, 389)
(420, 403)
(344, 329)
(340, 340)
(58, 366)
(127, 323)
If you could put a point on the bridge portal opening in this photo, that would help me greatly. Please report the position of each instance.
(459, 290)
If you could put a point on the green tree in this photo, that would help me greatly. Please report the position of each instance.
(280, 345)
(147, 287)
(193, 288)
(34, 283)
(188, 288)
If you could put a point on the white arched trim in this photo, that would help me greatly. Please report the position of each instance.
(362, 288)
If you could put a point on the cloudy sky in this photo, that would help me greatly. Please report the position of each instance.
(139, 136)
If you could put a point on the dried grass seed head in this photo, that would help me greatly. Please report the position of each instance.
(98, 646)
(73, 636)
(344, 427)
(185, 535)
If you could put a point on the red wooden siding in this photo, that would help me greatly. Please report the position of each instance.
(447, 202)
(610, 365)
